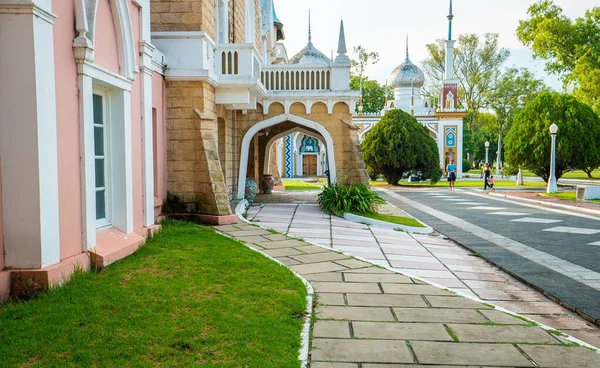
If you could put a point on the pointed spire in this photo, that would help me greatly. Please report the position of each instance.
(450, 17)
(342, 39)
(342, 58)
(406, 47)
(309, 30)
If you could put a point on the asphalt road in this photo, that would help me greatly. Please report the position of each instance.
(554, 250)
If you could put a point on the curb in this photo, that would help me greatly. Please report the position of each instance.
(387, 225)
(547, 204)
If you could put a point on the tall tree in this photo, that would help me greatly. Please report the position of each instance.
(399, 143)
(362, 58)
(578, 139)
(434, 67)
(477, 64)
(514, 89)
(374, 94)
(478, 67)
(571, 48)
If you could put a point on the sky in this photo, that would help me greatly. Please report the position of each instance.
(382, 26)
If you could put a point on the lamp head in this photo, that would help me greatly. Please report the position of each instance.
(487, 144)
(553, 129)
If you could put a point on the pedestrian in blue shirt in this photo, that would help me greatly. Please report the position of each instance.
(451, 169)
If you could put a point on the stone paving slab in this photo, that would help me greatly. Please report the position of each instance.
(342, 287)
(355, 313)
(346, 350)
(401, 331)
(385, 300)
(320, 257)
(454, 302)
(413, 289)
(329, 329)
(373, 317)
(310, 249)
(307, 269)
(328, 276)
(438, 315)
(469, 354)
(497, 316)
(562, 356)
(504, 334)
(387, 278)
(353, 263)
(331, 299)
(283, 252)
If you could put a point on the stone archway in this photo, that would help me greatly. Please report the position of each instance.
(245, 149)
(285, 134)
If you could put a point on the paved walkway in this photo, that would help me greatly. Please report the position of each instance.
(368, 317)
(434, 258)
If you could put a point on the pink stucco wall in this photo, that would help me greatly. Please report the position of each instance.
(160, 136)
(67, 120)
(105, 44)
(1, 226)
(136, 128)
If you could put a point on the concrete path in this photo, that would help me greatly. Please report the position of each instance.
(368, 317)
(433, 258)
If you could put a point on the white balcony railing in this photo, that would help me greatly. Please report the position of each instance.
(237, 64)
(296, 78)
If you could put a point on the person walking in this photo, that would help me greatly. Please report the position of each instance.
(502, 172)
(451, 170)
(491, 182)
(487, 172)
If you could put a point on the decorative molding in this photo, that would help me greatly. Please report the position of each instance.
(28, 8)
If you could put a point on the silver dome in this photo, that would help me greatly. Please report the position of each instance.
(310, 56)
(407, 74)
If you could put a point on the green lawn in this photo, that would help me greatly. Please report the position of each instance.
(464, 184)
(577, 174)
(570, 196)
(300, 185)
(188, 297)
(406, 221)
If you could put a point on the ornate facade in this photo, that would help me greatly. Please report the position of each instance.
(444, 122)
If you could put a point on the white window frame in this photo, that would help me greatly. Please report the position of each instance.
(107, 221)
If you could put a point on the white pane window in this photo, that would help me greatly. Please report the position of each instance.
(101, 160)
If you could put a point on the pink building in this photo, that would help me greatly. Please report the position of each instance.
(82, 136)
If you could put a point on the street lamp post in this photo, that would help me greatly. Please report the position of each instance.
(552, 187)
(487, 148)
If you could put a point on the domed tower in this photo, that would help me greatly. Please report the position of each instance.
(309, 54)
(407, 80)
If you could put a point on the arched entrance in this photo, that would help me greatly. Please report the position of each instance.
(274, 139)
(245, 149)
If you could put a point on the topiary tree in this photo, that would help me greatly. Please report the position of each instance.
(397, 144)
(528, 142)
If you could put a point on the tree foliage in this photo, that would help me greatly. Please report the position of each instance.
(398, 144)
(514, 89)
(362, 58)
(571, 48)
(373, 93)
(477, 66)
(528, 142)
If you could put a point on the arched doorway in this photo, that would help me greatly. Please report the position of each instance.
(273, 139)
(245, 149)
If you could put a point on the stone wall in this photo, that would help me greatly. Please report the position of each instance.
(194, 173)
(236, 21)
(183, 15)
